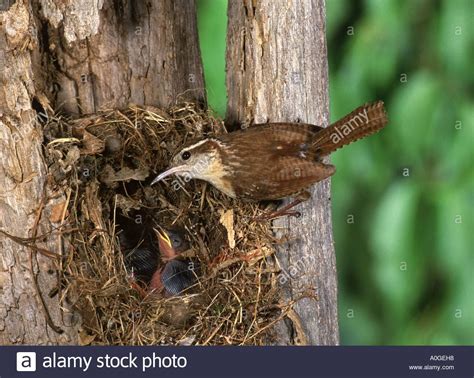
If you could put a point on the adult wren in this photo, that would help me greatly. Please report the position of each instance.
(274, 160)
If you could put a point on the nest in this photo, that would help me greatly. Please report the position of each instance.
(104, 163)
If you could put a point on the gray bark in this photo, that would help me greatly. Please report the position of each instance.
(80, 57)
(277, 71)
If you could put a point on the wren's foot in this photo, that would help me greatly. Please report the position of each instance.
(285, 210)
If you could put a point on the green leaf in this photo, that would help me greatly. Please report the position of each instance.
(397, 270)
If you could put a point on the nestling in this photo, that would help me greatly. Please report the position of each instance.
(142, 255)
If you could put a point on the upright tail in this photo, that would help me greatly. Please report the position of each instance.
(361, 122)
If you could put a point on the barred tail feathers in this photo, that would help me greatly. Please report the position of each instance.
(361, 122)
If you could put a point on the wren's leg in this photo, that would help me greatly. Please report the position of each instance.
(285, 210)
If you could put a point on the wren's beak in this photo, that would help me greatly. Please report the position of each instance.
(169, 172)
(165, 245)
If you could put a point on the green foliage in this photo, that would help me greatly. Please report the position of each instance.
(403, 199)
(212, 23)
(407, 187)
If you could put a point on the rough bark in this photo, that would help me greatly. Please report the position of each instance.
(80, 57)
(144, 52)
(277, 71)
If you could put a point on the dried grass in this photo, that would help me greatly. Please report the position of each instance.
(104, 163)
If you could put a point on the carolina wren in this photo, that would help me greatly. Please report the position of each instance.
(275, 160)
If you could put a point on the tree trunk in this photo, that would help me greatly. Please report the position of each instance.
(79, 57)
(277, 71)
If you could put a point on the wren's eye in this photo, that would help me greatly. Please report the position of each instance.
(185, 155)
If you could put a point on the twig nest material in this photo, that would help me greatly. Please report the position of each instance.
(105, 162)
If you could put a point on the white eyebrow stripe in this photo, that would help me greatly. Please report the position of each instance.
(201, 142)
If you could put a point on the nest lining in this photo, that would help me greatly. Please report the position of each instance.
(104, 163)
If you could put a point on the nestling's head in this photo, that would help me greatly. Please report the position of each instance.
(171, 242)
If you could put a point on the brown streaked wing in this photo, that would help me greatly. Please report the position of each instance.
(293, 174)
(285, 177)
(275, 139)
(263, 160)
(275, 132)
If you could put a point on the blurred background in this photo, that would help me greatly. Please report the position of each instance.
(403, 201)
